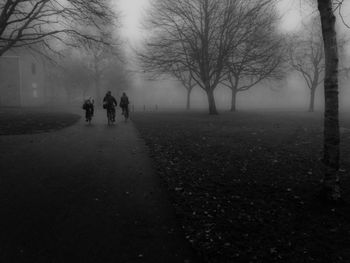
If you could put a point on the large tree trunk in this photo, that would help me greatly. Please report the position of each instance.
(331, 115)
(211, 101)
(233, 100)
(312, 99)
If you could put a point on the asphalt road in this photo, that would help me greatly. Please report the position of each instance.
(86, 193)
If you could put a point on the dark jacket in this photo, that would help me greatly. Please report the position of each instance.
(109, 101)
(124, 101)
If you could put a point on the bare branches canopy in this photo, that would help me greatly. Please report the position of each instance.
(201, 37)
(28, 22)
(306, 56)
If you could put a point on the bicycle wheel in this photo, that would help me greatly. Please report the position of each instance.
(109, 117)
(125, 113)
(113, 116)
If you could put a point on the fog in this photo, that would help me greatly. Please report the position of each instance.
(72, 79)
(289, 93)
(82, 180)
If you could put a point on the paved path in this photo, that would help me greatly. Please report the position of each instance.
(84, 194)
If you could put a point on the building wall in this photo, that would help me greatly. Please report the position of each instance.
(32, 81)
(22, 80)
(10, 84)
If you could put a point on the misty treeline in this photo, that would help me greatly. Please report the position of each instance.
(307, 58)
(211, 43)
(75, 40)
(90, 71)
(236, 43)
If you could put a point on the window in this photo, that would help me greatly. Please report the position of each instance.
(35, 90)
(33, 68)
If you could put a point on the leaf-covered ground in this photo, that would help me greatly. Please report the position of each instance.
(33, 120)
(245, 185)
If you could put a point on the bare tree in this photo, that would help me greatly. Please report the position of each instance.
(99, 56)
(116, 77)
(258, 57)
(97, 61)
(185, 77)
(28, 22)
(306, 56)
(67, 72)
(198, 35)
(331, 116)
(75, 75)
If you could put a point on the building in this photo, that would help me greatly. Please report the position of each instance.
(22, 80)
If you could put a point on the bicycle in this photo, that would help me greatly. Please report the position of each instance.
(125, 113)
(111, 115)
(89, 116)
(88, 106)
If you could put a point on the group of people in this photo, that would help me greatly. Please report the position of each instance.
(109, 103)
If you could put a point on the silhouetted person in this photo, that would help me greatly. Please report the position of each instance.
(109, 103)
(88, 106)
(124, 104)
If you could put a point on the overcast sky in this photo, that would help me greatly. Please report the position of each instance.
(132, 13)
(292, 12)
(134, 10)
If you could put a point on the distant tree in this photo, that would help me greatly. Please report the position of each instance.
(198, 35)
(75, 75)
(99, 57)
(185, 77)
(68, 72)
(97, 62)
(256, 57)
(28, 22)
(88, 69)
(116, 77)
(307, 57)
(53, 80)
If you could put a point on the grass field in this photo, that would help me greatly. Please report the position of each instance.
(245, 185)
(33, 120)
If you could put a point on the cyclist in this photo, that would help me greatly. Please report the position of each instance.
(88, 106)
(109, 103)
(124, 104)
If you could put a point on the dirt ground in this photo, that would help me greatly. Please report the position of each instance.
(86, 193)
(245, 185)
